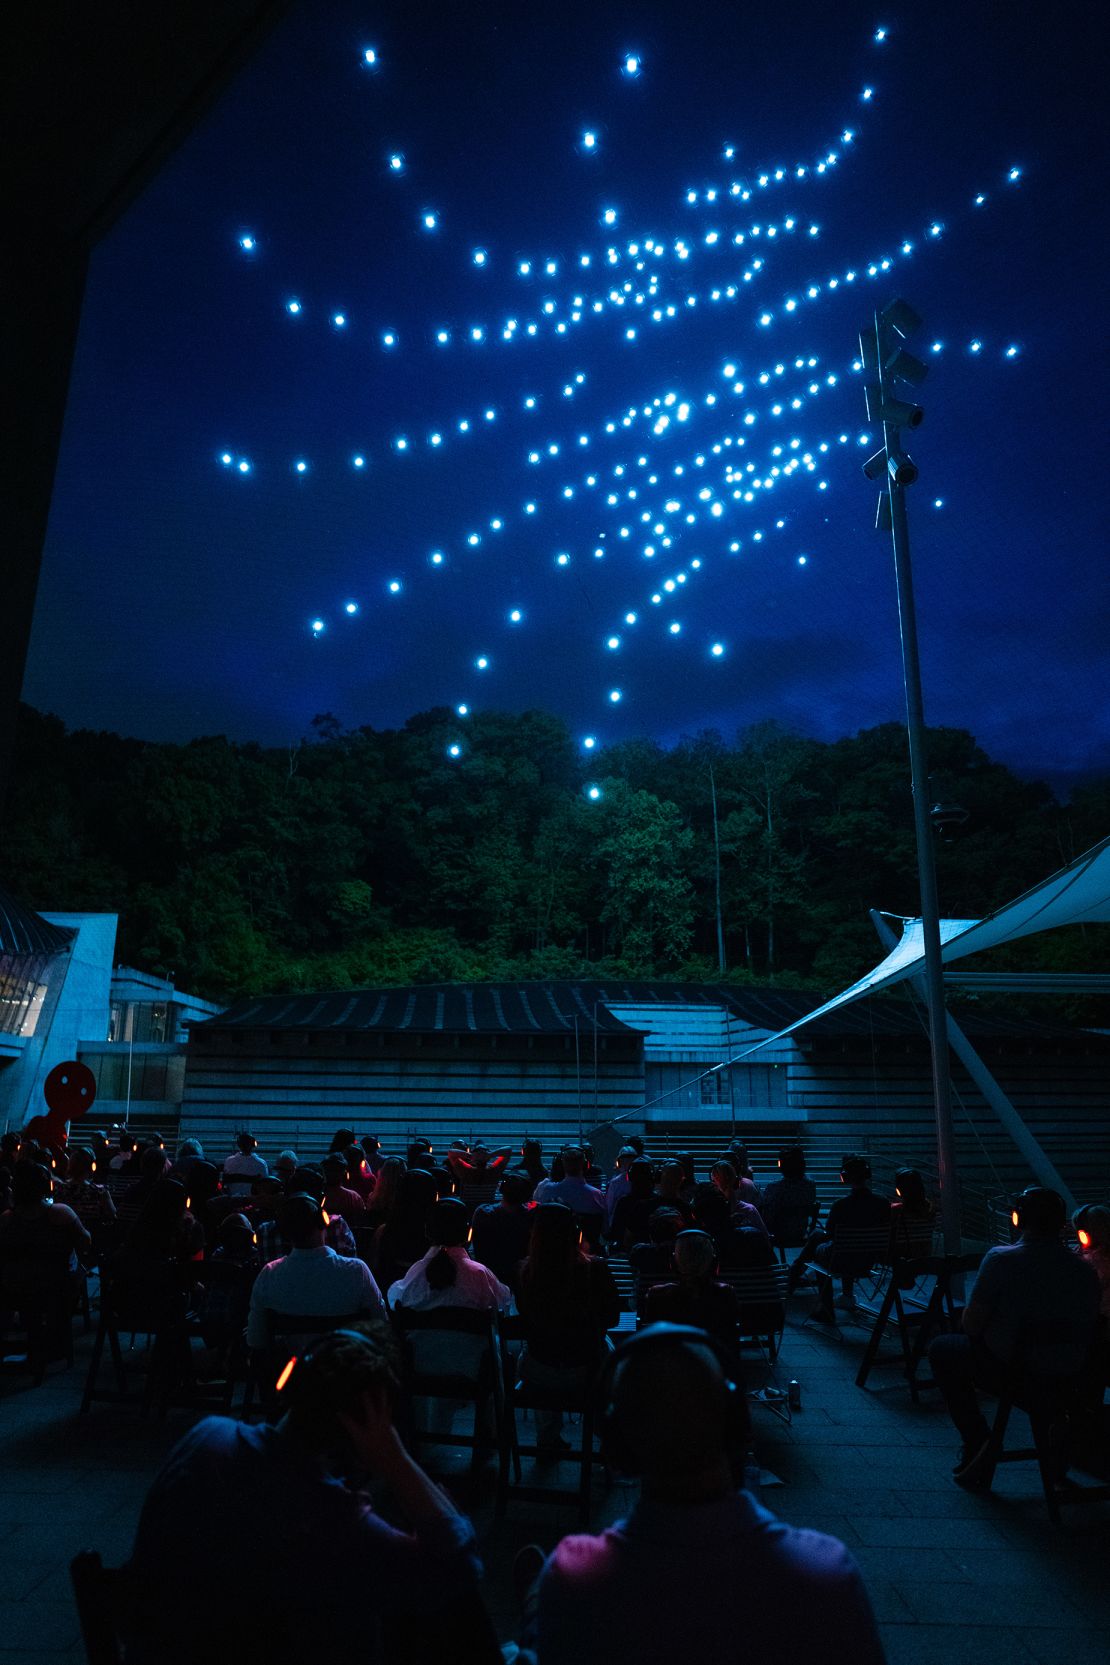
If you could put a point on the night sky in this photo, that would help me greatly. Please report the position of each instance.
(179, 593)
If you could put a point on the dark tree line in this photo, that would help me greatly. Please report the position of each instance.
(362, 857)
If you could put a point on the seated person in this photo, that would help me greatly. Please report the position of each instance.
(499, 1231)
(152, 1167)
(422, 1156)
(243, 1165)
(36, 1221)
(123, 1159)
(569, 1301)
(738, 1246)
(360, 1175)
(573, 1189)
(677, 1419)
(387, 1183)
(669, 1189)
(311, 1279)
(737, 1157)
(188, 1152)
(789, 1207)
(655, 1257)
(403, 1236)
(300, 1526)
(340, 1197)
(697, 1297)
(310, 1182)
(1031, 1315)
(286, 1166)
(741, 1195)
(92, 1203)
(630, 1217)
(860, 1209)
(1092, 1227)
(445, 1276)
(618, 1186)
(531, 1164)
(227, 1278)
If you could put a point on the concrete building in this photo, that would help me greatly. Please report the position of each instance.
(61, 997)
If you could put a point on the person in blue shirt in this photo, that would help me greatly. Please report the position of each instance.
(255, 1529)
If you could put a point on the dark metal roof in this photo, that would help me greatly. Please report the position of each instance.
(553, 1008)
(25, 933)
(433, 1008)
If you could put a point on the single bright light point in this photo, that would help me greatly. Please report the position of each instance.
(976, 346)
(394, 586)
(227, 459)
(389, 339)
(396, 162)
(442, 337)
(589, 742)
(481, 663)
(351, 608)
(803, 560)
(318, 626)
(1012, 352)
(1014, 175)
(244, 466)
(609, 216)
(454, 750)
(429, 219)
(300, 465)
(938, 502)
(339, 319)
(938, 346)
(370, 56)
(593, 792)
(562, 559)
(436, 557)
(293, 306)
(247, 244)
(980, 199)
(479, 257)
(589, 140)
(675, 628)
(515, 616)
(880, 34)
(463, 710)
(717, 649)
(630, 618)
(867, 94)
(615, 696)
(613, 643)
(631, 66)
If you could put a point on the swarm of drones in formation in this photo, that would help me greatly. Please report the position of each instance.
(684, 476)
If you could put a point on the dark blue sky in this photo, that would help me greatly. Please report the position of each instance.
(178, 594)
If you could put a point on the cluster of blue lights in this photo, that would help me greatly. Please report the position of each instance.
(689, 476)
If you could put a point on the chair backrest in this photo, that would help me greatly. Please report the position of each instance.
(279, 1325)
(102, 1596)
(757, 1285)
(859, 1245)
(478, 1321)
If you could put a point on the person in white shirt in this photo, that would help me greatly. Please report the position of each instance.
(620, 1184)
(244, 1165)
(311, 1279)
(447, 1277)
(572, 1190)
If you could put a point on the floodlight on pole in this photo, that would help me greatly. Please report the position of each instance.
(886, 362)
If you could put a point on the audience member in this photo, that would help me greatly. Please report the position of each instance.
(188, 1152)
(309, 1530)
(339, 1196)
(618, 1186)
(311, 1279)
(654, 1258)
(500, 1230)
(860, 1209)
(737, 1156)
(123, 1161)
(789, 1207)
(92, 1203)
(669, 1187)
(697, 1297)
(152, 1169)
(309, 1182)
(573, 1189)
(1092, 1226)
(372, 1151)
(243, 1165)
(445, 1276)
(738, 1194)
(286, 1166)
(685, 1160)
(360, 1176)
(569, 1301)
(670, 1581)
(421, 1155)
(630, 1217)
(531, 1163)
(387, 1182)
(342, 1140)
(403, 1237)
(36, 1221)
(1031, 1315)
(738, 1246)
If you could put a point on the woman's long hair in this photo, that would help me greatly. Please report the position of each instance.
(386, 1185)
(447, 1228)
(554, 1252)
(916, 1204)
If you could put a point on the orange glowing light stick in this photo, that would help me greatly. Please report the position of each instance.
(286, 1373)
(1084, 1238)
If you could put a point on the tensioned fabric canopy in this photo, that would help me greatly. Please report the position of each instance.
(1077, 894)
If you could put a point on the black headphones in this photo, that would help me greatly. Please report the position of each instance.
(615, 1449)
(307, 1369)
(1044, 1201)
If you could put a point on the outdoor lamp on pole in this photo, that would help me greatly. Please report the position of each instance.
(891, 374)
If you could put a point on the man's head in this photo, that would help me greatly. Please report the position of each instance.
(247, 1143)
(80, 1165)
(641, 1177)
(301, 1221)
(335, 1169)
(856, 1172)
(695, 1254)
(1039, 1214)
(625, 1158)
(152, 1163)
(574, 1162)
(675, 1415)
(792, 1162)
(30, 1184)
(333, 1378)
(514, 1190)
(286, 1164)
(664, 1226)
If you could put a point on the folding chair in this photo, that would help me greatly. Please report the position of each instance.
(484, 1389)
(761, 1296)
(128, 1310)
(520, 1394)
(284, 1332)
(917, 1323)
(36, 1284)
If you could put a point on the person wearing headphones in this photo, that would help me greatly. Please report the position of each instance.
(303, 1527)
(675, 1416)
(311, 1279)
(243, 1165)
(1031, 1312)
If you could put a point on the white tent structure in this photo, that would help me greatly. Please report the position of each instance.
(1077, 894)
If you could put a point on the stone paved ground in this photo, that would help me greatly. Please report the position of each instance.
(951, 1576)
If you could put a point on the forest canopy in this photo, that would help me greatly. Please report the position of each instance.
(361, 857)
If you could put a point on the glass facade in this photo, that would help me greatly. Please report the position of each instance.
(22, 991)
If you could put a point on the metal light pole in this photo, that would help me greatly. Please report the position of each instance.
(886, 363)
